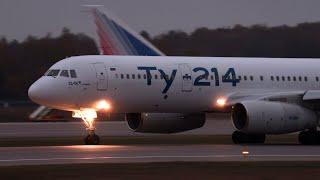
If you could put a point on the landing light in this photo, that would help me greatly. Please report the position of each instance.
(221, 102)
(86, 113)
(88, 116)
(103, 105)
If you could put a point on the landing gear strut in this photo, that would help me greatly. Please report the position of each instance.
(243, 138)
(89, 117)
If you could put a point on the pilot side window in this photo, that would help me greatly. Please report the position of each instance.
(53, 72)
(73, 73)
(64, 73)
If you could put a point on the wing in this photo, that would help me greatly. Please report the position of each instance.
(308, 98)
(253, 95)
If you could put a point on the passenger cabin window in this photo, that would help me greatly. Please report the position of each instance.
(139, 76)
(278, 78)
(73, 73)
(283, 78)
(155, 76)
(133, 76)
(239, 77)
(289, 78)
(305, 78)
(53, 72)
(128, 76)
(144, 76)
(300, 79)
(317, 78)
(251, 78)
(272, 78)
(261, 78)
(64, 73)
(122, 76)
(294, 78)
(245, 78)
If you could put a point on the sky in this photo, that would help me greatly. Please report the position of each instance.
(20, 18)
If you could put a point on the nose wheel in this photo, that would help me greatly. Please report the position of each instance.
(92, 138)
(89, 117)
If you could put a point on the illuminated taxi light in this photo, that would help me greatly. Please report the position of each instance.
(221, 102)
(103, 105)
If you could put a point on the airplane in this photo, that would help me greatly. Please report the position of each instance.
(115, 38)
(163, 94)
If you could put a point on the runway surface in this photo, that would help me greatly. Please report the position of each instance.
(164, 153)
(215, 124)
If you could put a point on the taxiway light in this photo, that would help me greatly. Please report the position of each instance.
(245, 152)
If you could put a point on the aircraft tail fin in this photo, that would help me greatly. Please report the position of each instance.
(116, 38)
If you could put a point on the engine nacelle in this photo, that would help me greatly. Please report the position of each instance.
(164, 122)
(263, 117)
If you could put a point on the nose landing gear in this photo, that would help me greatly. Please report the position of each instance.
(88, 117)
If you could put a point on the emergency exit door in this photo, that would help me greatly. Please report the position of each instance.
(102, 76)
(186, 76)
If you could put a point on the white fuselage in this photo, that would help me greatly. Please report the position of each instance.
(123, 81)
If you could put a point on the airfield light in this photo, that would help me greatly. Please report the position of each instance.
(245, 152)
(221, 102)
(103, 105)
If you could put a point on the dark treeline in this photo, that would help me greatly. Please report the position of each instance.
(302, 40)
(23, 62)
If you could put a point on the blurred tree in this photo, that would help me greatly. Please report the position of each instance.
(23, 62)
(146, 35)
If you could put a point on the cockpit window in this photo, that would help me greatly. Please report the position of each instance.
(64, 73)
(73, 73)
(53, 72)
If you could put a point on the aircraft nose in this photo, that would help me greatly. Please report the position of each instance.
(34, 92)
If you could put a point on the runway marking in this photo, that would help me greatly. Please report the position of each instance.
(149, 157)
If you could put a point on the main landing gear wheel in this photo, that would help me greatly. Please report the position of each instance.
(310, 137)
(243, 138)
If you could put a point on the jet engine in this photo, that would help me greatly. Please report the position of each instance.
(264, 117)
(164, 122)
